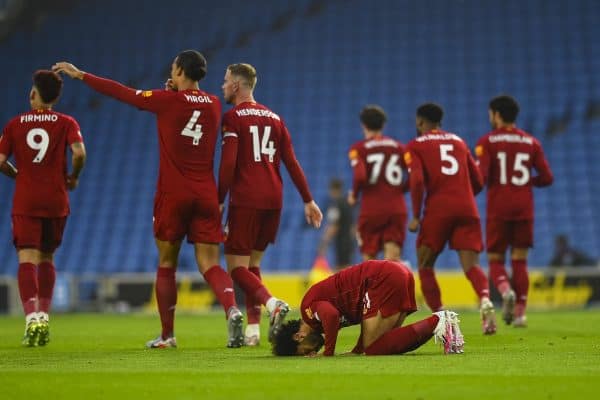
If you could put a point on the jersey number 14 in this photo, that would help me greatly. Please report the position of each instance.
(264, 146)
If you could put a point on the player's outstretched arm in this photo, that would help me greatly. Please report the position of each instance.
(146, 100)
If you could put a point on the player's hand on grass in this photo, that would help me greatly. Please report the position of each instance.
(72, 182)
(313, 214)
(312, 354)
(68, 69)
(413, 225)
(351, 198)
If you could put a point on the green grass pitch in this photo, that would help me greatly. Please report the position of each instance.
(102, 357)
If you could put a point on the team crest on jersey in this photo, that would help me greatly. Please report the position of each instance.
(309, 313)
(407, 158)
(479, 151)
(353, 154)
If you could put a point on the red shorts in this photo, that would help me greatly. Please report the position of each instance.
(43, 234)
(250, 229)
(374, 231)
(390, 291)
(501, 233)
(177, 216)
(463, 233)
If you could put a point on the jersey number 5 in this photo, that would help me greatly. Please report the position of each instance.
(193, 129)
(445, 156)
(38, 139)
(266, 146)
(393, 171)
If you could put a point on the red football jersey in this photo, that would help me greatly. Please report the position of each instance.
(506, 159)
(337, 301)
(378, 172)
(188, 123)
(441, 165)
(255, 141)
(38, 140)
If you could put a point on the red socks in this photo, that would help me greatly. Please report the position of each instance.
(479, 281)
(404, 339)
(252, 306)
(520, 284)
(166, 298)
(28, 287)
(430, 289)
(46, 278)
(499, 276)
(250, 284)
(222, 286)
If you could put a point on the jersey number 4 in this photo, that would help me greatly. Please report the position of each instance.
(264, 146)
(193, 129)
(393, 171)
(38, 139)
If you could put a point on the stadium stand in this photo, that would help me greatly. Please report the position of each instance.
(317, 75)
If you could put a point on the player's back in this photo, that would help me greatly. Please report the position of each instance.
(511, 155)
(383, 192)
(38, 140)
(446, 163)
(188, 124)
(262, 141)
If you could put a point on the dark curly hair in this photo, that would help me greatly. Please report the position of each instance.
(284, 343)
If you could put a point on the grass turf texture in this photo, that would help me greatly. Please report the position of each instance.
(102, 357)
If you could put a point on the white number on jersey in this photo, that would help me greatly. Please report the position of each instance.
(519, 167)
(266, 147)
(193, 129)
(40, 144)
(445, 156)
(393, 171)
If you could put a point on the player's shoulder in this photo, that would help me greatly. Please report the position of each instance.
(66, 117)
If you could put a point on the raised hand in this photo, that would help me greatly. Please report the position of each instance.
(68, 69)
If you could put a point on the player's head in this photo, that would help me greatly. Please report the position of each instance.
(297, 338)
(188, 65)
(336, 188)
(429, 116)
(372, 119)
(240, 80)
(503, 110)
(47, 86)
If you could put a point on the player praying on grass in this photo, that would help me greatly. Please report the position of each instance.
(443, 171)
(38, 140)
(507, 155)
(378, 296)
(255, 142)
(379, 180)
(185, 204)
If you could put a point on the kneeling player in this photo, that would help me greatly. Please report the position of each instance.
(378, 295)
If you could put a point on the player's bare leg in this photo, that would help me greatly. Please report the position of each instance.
(166, 293)
(392, 251)
(250, 284)
(521, 285)
(28, 290)
(501, 281)
(253, 306)
(207, 258)
(429, 286)
(469, 261)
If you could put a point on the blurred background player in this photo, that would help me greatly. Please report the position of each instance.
(565, 255)
(377, 167)
(507, 156)
(255, 141)
(38, 140)
(340, 226)
(442, 168)
(186, 195)
(378, 295)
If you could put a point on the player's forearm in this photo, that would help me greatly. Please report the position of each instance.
(113, 89)
(227, 168)
(298, 177)
(8, 169)
(77, 162)
(544, 177)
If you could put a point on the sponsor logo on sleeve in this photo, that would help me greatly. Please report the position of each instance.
(407, 158)
(353, 154)
(147, 93)
(479, 151)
